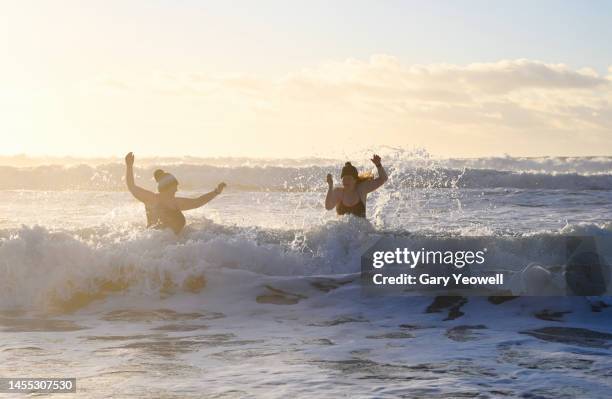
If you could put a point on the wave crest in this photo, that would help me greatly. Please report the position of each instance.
(70, 269)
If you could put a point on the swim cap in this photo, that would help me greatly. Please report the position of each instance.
(164, 179)
(349, 170)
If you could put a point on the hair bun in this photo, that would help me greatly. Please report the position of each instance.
(158, 174)
(348, 164)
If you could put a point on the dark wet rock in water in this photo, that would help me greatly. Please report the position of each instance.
(572, 336)
(497, 300)
(411, 327)
(586, 271)
(339, 320)
(328, 284)
(559, 392)
(391, 335)
(550, 315)
(464, 333)
(598, 306)
(277, 296)
(452, 303)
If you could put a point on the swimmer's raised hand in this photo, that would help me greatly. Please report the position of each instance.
(330, 180)
(129, 159)
(375, 160)
(220, 187)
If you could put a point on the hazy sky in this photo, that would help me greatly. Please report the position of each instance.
(291, 79)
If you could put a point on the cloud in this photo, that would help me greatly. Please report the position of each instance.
(500, 99)
(506, 76)
(493, 78)
(513, 93)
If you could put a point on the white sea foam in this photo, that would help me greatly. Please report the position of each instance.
(42, 268)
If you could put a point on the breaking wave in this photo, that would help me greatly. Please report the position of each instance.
(67, 270)
(406, 170)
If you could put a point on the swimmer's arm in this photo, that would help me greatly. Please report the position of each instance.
(138, 192)
(332, 198)
(371, 185)
(185, 204)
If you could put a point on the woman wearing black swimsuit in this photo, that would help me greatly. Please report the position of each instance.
(164, 210)
(351, 198)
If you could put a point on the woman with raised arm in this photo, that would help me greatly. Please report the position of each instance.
(164, 209)
(351, 197)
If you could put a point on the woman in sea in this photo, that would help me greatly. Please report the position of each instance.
(164, 209)
(351, 197)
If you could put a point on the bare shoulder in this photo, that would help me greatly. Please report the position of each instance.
(370, 185)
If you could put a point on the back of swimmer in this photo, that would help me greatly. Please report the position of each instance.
(163, 214)
(164, 209)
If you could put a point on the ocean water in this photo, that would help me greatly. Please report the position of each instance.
(260, 296)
